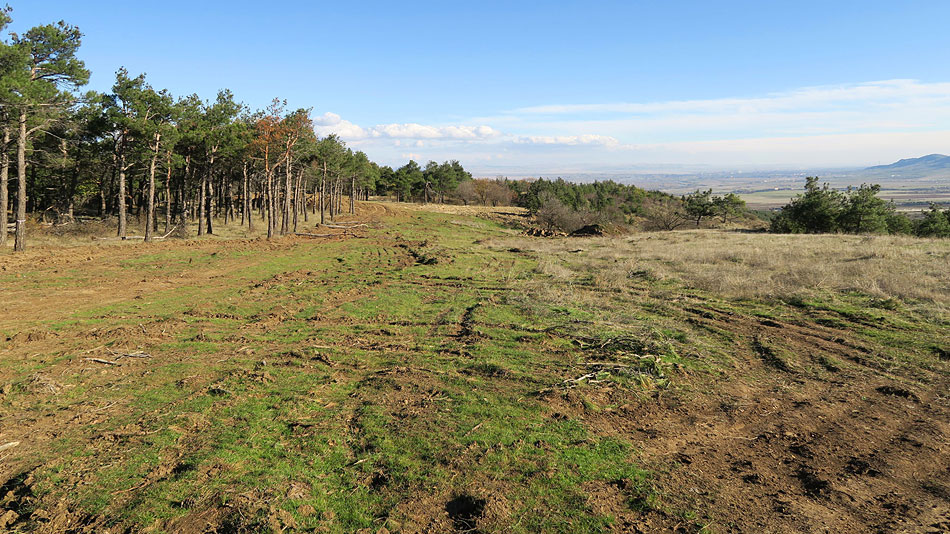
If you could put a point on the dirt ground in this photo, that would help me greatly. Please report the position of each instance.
(807, 427)
(859, 449)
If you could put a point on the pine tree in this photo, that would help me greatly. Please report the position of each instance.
(44, 74)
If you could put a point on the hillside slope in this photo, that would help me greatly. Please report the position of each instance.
(436, 372)
(922, 167)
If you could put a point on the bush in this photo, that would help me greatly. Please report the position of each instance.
(816, 211)
(863, 212)
(935, 223)
(822, 210)
(556, 216)
(664, 213)
(898, 223)
(584, 197)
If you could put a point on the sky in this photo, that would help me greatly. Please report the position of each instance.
(529, 88)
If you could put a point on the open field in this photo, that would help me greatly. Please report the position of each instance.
(435, 371)
(910, 199)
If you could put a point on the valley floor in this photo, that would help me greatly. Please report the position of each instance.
(434, 371)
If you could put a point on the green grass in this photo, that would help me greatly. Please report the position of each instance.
(321, 375)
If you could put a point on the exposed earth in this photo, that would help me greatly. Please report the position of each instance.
(420, 373)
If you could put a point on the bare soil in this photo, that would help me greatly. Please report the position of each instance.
(809, 428)
(774, 449)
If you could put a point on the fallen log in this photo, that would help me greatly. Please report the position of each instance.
(100, 360)
(343, 225)
(169, 232)
(136, 354)
(301, 234)
(128, 237)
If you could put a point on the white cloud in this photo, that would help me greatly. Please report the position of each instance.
(419, 131)
(846, 125)
(892, 105)
(887, 92)
(327, 119)
(331, 123)
(799, 152)
(569, 140)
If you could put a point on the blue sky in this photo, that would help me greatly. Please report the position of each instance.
(543, 87)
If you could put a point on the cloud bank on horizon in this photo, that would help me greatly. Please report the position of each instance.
(812, 127)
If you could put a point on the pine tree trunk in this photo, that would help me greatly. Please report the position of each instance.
(102, 196)
(262, 199)
(247, 203)
(296, 206)
(323, 193)
(232, 202)
(183, 193)
(275, 202)
(269, 200)
(306, 197)
(352, 195)
(150, 207)
(168, 194)
(211, 203)
(19, 242)
(135, 201)
(123, 223)
(288, 178)
(225, 198)
(4, 184)
(202, 189)
(333, 199)
(316, 197)
(228, 200)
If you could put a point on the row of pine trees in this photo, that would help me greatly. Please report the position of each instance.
(138, 153)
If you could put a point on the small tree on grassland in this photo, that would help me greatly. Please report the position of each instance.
(935, 223)
(664, 213)
(815, 211)
(728, 207)
(699, 205)
(863, 212)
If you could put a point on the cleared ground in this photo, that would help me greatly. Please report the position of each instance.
(434, 371)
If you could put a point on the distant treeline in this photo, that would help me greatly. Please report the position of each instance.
(821, 209)
(565, 206)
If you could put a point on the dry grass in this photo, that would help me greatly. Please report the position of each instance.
(746, 265)
(509, 216)
(459, 209)
(102, 233)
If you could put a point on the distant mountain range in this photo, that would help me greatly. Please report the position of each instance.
(926, 166)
